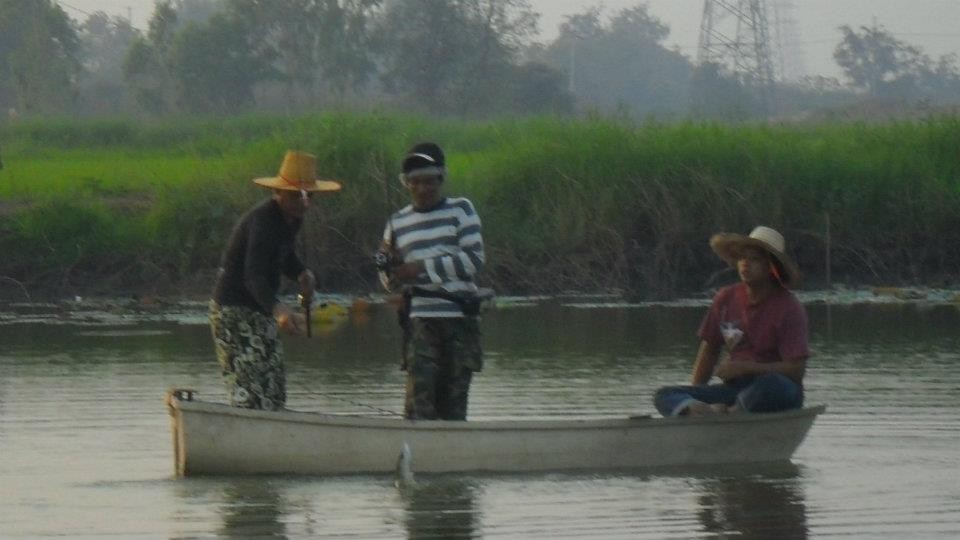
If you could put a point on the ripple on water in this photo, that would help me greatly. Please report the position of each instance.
(87, 452)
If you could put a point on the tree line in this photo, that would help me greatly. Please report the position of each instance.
(474, 58)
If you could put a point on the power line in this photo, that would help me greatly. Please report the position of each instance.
(74, 8)
(906, 34)
(89, 14)
(736, 34)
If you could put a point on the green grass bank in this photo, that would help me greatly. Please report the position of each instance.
(120, 206)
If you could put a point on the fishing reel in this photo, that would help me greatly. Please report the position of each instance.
(386, 261)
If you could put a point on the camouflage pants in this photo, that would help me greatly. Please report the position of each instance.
(250, 355)
(442, 356)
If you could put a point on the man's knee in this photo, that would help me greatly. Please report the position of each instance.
(420, 402)
(453, 395)
(663, 391)
(771, 392)
(776, 382)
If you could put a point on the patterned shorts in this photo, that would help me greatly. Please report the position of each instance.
(250, 355)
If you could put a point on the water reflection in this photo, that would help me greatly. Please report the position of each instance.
(766, 503)
(442, 507)
(252, 508)
(888, 372)
(880, 325)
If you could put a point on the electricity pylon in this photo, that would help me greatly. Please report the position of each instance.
(735, 34)
(788, 48)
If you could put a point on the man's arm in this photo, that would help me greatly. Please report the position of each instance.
(464, 264)
(258, 259)
(706, 360)
(461, 265)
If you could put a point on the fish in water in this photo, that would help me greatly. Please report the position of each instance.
(404, 461)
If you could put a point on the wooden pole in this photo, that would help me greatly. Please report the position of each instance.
(827, 255)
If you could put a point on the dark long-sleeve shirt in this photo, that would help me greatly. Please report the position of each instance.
(261, 246)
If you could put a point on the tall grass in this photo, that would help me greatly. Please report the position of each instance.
(590, 204)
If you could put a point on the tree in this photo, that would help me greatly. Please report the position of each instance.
(622, 64)
(885, 67)
(146, 67)
(198, 11)
(214, 66)
(196, 57)
(39, 57)
(720, 95)
(453, 56)
(877, 62)
(105, 41)
(319, 47)
(346, 59)
(537, 88)
(813, 96)
(940, 80)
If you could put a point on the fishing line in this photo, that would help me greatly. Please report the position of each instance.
(380, 410)
(302, 387)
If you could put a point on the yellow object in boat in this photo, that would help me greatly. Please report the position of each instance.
(328, 313)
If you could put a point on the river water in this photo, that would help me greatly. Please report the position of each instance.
(86, 449)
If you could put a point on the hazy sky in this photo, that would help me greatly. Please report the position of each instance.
(931, 24)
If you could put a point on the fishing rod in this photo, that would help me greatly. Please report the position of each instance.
(306, 300)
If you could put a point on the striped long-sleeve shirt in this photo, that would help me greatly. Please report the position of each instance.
(447, 239)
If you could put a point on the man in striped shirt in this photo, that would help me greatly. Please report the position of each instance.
(438, 250)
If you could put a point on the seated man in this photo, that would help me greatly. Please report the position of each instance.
(762, 326)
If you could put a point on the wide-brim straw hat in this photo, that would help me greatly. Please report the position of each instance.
(728, 246)
(298, 172)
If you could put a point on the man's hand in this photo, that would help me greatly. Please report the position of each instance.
(288, 321)
(408, 272)
(727, 369)
(307, 283)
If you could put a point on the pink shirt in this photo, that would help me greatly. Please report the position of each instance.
(773, 330)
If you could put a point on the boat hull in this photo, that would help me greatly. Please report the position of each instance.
(215, 439)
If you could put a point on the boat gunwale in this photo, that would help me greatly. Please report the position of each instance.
(371, 422)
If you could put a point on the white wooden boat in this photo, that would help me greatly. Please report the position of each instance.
(217, 439)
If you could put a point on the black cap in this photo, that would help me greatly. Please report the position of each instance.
(425, 158)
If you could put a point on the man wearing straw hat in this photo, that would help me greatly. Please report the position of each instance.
(762, 327)
(246, 314)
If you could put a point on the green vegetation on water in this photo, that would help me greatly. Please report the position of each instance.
(107, 207)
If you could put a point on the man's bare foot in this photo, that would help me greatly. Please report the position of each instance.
(699, 408)
(720, 408)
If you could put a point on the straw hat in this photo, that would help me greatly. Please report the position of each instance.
(729, 245)
(298, 172)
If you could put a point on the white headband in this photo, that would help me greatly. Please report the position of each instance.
(426, 171)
